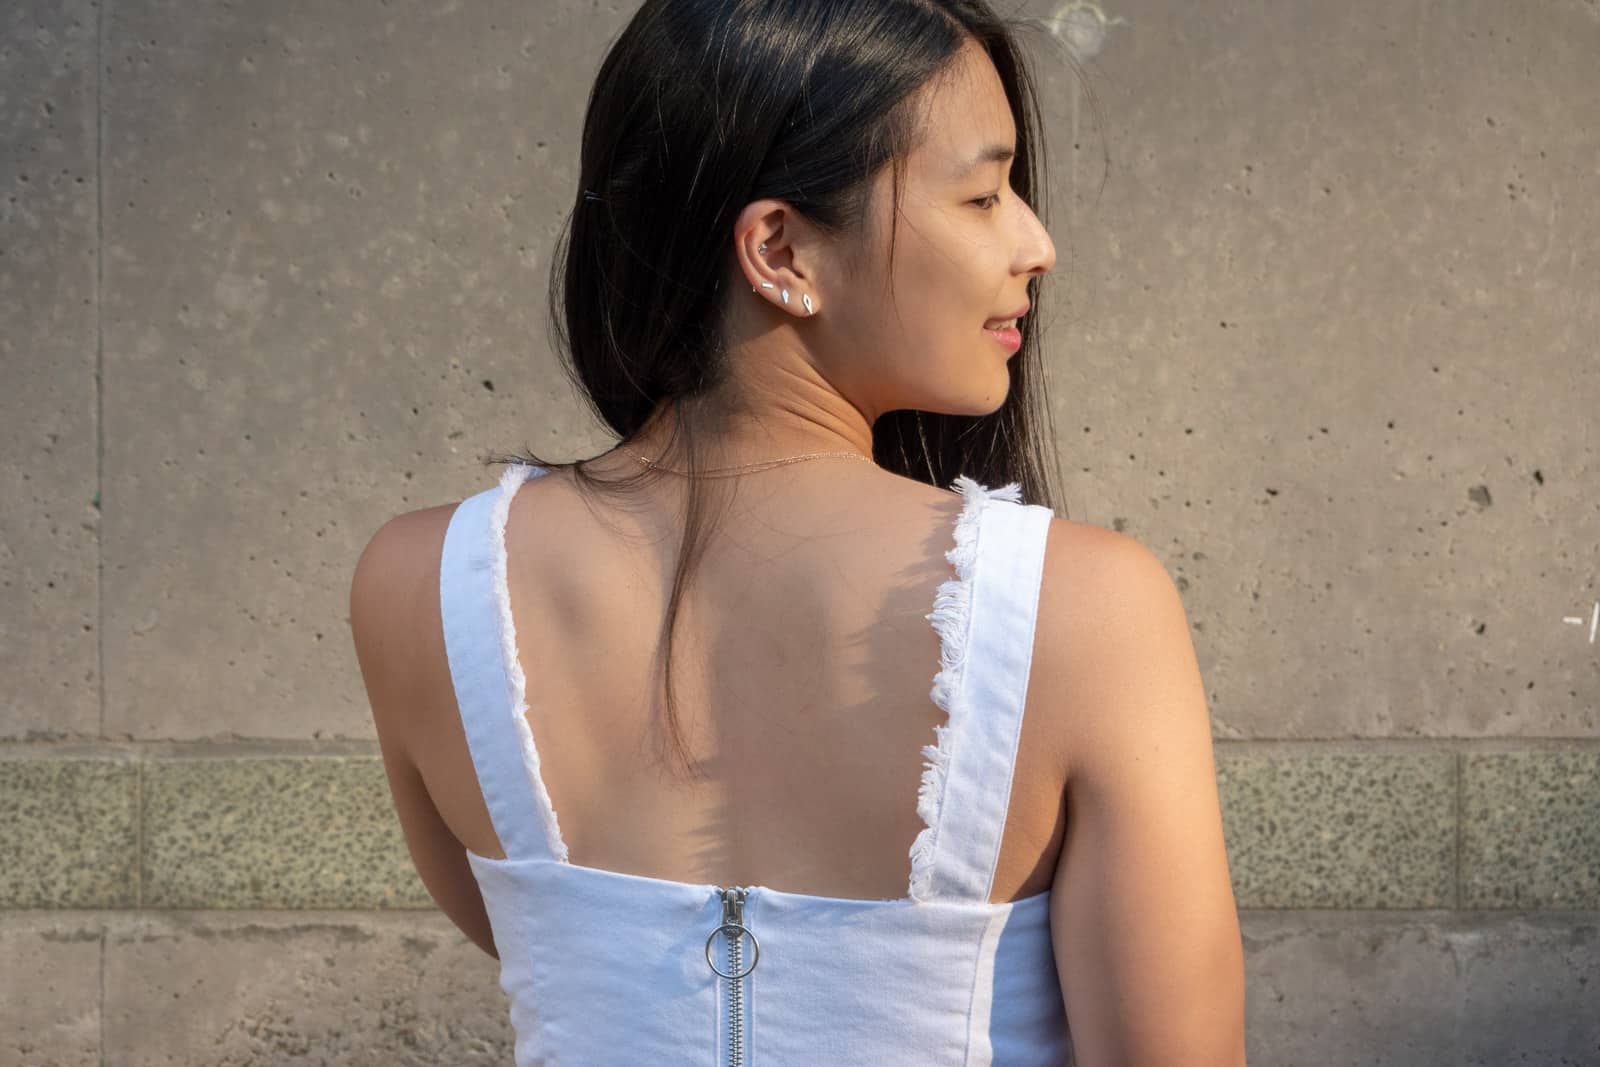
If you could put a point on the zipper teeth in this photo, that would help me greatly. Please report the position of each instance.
(736, 1002)
(736, 990)
(733, 903)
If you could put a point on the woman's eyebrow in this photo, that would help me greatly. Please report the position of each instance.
(994, 153)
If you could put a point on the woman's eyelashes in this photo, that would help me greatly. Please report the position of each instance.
(981, 200)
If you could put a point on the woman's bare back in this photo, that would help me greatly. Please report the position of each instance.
(802, 667)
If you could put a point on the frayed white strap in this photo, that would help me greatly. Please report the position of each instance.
(952, 620)
(515, 474)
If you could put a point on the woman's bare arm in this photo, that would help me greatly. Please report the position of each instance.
(1142, 918)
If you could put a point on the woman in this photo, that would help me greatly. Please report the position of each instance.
(803, 235)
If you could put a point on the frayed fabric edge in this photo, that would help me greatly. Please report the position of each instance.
(952, 621)
(513, 477)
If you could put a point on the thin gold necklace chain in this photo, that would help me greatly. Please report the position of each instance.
(762, 465)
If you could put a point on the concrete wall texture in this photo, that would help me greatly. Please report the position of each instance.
(273, 273)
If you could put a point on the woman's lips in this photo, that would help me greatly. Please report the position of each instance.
(1010, 336)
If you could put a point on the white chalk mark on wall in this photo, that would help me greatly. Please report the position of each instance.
(1082, 26)
(1594, 620)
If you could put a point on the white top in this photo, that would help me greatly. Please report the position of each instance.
(603, 967)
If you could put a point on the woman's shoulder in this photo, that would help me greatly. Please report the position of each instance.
(1081, 554)
(1112, 639)
(1100, 585)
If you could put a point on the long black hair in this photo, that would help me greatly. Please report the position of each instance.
(700, 107)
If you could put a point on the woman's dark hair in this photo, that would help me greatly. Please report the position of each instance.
(699, 108)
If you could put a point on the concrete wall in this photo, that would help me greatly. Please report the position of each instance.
(272, 273)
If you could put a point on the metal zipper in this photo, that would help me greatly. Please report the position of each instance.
(733, 927)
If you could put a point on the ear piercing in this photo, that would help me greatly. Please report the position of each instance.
(805, 298)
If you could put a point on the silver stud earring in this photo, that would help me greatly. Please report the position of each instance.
(764, 285)
(805, 298)
(785, 295)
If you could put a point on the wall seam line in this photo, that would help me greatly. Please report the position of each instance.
(138, 816)
(104, 933)
(99, 364)
(1460, 891)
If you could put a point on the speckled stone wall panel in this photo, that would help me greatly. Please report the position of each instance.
(50, 989)
(1350, 830)
(1339, 830)
(1531, 831)
(1366, 989)
(49, 506)
(316, 832)
(265, 988)
(69, 837)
